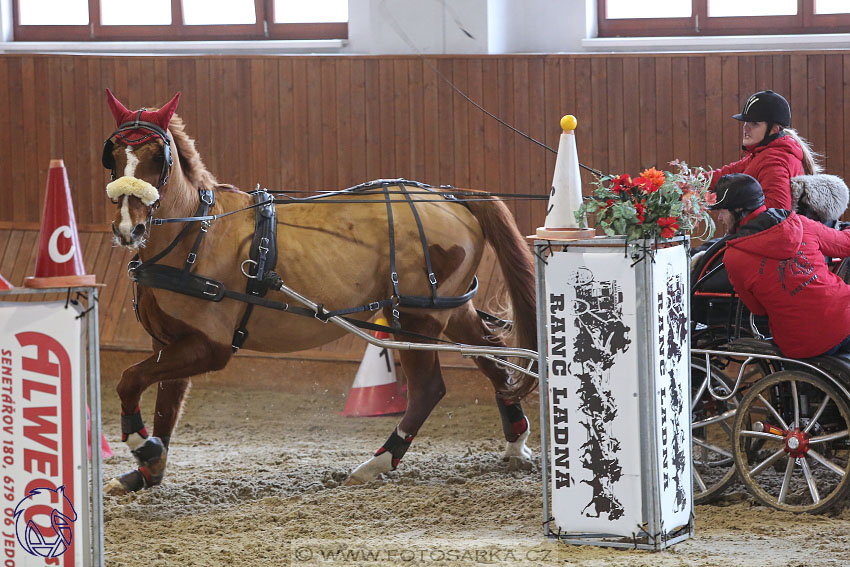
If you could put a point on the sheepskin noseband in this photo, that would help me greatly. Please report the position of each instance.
(126, 185)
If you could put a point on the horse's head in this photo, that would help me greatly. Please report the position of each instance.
(138, 153)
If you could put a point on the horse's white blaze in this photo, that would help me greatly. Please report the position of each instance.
(132, 162)
(125, 227)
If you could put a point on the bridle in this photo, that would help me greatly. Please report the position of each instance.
(154, 131)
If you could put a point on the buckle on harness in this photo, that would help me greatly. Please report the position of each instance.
(206, 197)
(214, 286)
(190, 259)
(205, 225)
(432, 278)
(374, 306)
(242, 267)
(131, 268)
(394, 277)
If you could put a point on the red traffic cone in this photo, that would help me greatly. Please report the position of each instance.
(60, 259)
(105, 449)
(4, 283)
(376, 390)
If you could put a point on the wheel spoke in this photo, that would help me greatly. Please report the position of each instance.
(810, 480)
(757, 470)
(829, 437)
(698, 397)
(818, 413)
(715, 448)
(700, 481)
(774, 413)
(796, 404)
(761, 435)
(715, 419)
(786, 481)
(826, 462)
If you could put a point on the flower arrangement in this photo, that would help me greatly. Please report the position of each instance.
(654, 206)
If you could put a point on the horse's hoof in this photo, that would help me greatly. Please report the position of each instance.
(152, 457)
(132, 481)
(114, 488)
(518, 448)
(369, 471)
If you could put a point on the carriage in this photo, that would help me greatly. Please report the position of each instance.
(778, 425)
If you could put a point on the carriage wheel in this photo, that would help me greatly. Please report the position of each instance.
(711, 432)
(802, 461)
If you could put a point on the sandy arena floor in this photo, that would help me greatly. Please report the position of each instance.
(256, 464)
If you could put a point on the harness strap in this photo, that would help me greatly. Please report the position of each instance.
(432, 279)
(393, 273)
(207, 199)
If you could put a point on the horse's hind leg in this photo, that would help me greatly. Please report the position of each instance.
(425, 388)
(176, 362)
(465, 326)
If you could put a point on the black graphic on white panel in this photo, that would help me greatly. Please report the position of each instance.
(670, 353)
(601, 334)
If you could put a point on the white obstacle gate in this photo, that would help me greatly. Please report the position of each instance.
(52, 494)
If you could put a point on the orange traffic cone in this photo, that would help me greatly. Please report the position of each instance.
(60, 259)
(4, 283)
(105, 449)
(376, 390)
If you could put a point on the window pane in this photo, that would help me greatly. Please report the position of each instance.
(54, 12)
(123, 13)
(730, 8)
(302, 11)
(205, 12)
(832, 7)
(620, 9)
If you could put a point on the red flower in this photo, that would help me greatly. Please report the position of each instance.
(609, 202)
(641, 209)
(621, 182)
(669, 226)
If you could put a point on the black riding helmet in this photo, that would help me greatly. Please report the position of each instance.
(766, 106)
(738, 191)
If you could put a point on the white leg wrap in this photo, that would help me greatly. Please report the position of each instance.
(135, 440)
(370, 470)
(518, 448)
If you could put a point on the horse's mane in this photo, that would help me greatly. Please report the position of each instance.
(190, 160)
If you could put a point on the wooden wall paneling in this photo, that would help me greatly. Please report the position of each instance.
(386, 142)
(782, 76)
(507, 138)
(202, 103)
(799, 94)
(764, 73)
(400, 109)
(648, 111)
(328, 123)
(342, 146)
(20, 193)
(445, 124)
(598, 115)
(698, 123)
(475, 119)
(93, 142)
(261, 122)
(680, 119)
(746, 78)
(6, 163)
(663, 114)
(115, 277)
(54, 107)
(286, 124)
(10, 243)
(70, 113)
(225, 126)
(24, 258)
(522, 150)
(460, 131)
(414, 119)
(731, 101)
(614, 125)
(246, 176)
(815, 79)
(28, 138)
(302, 125)
(631, 133)
(539, 178)
(834, 114)
(357, 135)
(555, 108)
(374, 164)
(714, 113)
(491, 128)
(845, 63)
(269, 145)
(83, 150)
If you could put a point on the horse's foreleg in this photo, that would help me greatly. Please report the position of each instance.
(425, 388)
(175, 362)
(465, 326)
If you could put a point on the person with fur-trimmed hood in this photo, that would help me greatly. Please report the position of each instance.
(775, 261)
(773, 151)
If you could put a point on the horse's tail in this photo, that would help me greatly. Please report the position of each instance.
(515, 261)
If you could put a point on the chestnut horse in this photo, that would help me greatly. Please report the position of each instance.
(338, 255)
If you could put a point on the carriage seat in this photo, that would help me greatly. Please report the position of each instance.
(752, 345)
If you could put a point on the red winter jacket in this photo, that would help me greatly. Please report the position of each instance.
(776, 264)
(773, 165)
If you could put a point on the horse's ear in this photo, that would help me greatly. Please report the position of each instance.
(164, 114)
(119, 111)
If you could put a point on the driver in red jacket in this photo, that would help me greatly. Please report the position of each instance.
(775, 261)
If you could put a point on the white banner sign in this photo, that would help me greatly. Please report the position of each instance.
(672, 394)
(44, 500)
(593, 392)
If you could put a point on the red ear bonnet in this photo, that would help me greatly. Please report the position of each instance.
(159, 117)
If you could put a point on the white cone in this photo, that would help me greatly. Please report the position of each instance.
(565, 198)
